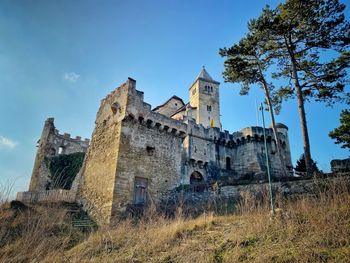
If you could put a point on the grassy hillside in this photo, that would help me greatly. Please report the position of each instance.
(309, 228)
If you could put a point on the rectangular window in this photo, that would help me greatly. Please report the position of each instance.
(140, 191)
(150, 150)
(208, 107)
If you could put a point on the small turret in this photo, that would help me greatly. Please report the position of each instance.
(283, 129)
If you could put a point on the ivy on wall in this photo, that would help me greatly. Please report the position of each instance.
(63, 169)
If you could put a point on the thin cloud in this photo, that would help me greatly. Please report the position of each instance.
(71, 76)
(7, 143)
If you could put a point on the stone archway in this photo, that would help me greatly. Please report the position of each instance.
(197, 182)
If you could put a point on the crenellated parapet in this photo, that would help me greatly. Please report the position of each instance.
(66, 139)
(133, 108)
(165, 124)
(57, 143)
(247, 135)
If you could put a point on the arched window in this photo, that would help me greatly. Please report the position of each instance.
(197, 182)
(228, 163)
(211, 89)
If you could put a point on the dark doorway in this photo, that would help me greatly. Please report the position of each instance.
(197, 182)
(140, 191)
(228, 163)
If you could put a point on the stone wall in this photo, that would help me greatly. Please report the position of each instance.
(98, 173)
(340, 165)
(235, 156)
(225, 198)
(52, 143)
(130, 140)
(57, 195)
(148, 153)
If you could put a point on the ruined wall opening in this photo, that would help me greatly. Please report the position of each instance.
(228, 163)
(197, 182)
(61, 150)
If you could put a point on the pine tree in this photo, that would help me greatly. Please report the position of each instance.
(301, 165)
(342, 133)
(247, 63)
(297, 34)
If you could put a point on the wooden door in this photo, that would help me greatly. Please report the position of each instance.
(140, 191)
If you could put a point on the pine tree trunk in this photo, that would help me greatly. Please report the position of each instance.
(275, 133)
(304, 130)
(302, 116)
(301, 109)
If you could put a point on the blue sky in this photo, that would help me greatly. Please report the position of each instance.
(60, 58)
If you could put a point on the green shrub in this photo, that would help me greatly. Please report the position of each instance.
(63, 169)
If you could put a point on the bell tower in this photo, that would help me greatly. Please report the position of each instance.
(204, 96)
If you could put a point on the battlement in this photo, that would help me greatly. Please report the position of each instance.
(131, 106)
(162, 123)
(130, 83)
(141, 111)
(67, 136)
(248, 134)
(226, 138)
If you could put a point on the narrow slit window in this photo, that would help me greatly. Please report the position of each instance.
(228, 163)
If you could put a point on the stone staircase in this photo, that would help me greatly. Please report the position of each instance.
(80, 219)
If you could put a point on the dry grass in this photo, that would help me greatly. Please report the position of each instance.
(32, 235)
(306, 229)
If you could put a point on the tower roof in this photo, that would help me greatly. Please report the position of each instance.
(204, 75)
(280, 125)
